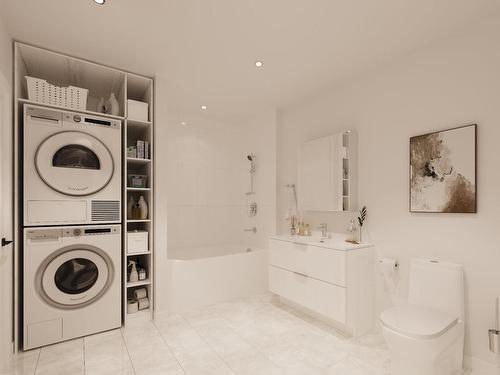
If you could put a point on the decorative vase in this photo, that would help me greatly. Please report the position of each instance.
(360, 234)
(143, 208)
(112, 106)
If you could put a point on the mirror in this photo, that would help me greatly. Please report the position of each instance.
(327, 173)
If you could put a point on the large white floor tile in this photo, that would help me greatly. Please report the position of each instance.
(107, 353)
(64, 358)
(23, 363)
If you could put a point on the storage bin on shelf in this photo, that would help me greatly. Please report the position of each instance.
(137, 110)
(137, 241)
(71, 97)
(137, 181)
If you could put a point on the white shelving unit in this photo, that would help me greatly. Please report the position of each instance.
(63, 70)
(141, 89)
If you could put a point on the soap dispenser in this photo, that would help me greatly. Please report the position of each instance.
(134, 275)
(351, 232)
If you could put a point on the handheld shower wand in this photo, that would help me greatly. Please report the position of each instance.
(252, 205)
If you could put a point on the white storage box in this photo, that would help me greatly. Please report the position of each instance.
(137, 110)
(137, 242)
(40, 91)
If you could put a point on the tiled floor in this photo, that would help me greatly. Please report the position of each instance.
(256, 336)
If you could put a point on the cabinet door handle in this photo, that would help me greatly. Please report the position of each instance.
(300, 274)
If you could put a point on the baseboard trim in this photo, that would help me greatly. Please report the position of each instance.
(480, 367)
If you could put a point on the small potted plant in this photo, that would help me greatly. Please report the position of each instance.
(361, 220)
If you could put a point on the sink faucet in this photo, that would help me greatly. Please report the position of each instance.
(323, 227)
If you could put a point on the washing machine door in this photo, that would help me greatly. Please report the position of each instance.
(75, 276)
(74, 163)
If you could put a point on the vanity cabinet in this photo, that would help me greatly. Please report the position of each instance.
(335, 281)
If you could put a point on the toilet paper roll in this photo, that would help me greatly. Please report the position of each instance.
(140, 293)
(388, 268)
(143, 303)
(132, 306)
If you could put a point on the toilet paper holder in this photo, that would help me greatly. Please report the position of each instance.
(494, 334)
(396, 263)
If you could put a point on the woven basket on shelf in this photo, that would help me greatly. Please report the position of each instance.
(39, 90)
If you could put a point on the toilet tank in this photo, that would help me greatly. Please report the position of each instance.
(437, 285)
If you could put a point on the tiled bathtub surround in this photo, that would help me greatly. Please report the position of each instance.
(208, 174)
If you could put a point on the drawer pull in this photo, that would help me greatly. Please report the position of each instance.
(300, 274)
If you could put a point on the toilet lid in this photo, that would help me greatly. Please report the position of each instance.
(417, 322)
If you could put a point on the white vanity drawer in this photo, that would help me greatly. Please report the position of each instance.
(288, 255)
(320, 263)
(324, 298)
(326, 264)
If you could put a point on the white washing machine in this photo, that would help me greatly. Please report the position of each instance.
(72, 168)
(72, 282)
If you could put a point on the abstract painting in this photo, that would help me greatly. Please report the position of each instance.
(443, 171)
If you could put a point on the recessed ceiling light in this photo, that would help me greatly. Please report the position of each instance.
(183, 123)
(100, 2)
(204, 107)
(259, 64)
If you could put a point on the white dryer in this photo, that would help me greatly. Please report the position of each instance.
(72, 168)
(72, 282)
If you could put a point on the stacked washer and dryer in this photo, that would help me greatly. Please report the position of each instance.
(72, 225)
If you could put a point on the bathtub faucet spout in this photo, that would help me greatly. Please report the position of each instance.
(253, 229)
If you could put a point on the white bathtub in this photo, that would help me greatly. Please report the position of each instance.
(206, 275)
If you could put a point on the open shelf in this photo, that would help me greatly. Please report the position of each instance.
(140, 253)
(139, 160)
(138, 123)
(62, 70)
(139, 283)
(138, 189)
(144, 314)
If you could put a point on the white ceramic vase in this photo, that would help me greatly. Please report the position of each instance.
(143, 207)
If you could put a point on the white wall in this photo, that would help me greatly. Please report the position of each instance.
(6, 254)
(455, 82)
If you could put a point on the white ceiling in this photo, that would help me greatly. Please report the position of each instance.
(203, 51)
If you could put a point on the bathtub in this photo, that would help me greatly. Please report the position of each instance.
(205, 275)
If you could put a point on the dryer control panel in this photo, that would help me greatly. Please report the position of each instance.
(46, 234)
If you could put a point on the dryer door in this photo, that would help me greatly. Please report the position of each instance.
(74, 163)
(75, 276)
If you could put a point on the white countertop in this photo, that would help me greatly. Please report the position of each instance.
(336, 242)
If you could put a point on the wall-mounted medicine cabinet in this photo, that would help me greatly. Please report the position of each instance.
(327, 173)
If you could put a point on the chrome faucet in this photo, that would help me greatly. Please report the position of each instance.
(323, 228)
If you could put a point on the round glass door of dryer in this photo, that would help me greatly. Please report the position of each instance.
(74, 277)
(74, 163)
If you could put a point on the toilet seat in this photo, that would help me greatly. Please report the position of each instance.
(417, 322)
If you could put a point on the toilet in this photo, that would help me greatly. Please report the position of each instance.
(425, 334)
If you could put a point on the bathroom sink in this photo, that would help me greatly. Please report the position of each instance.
(336, 241)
